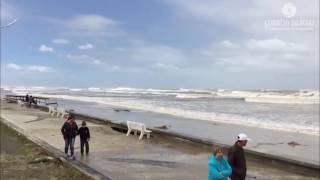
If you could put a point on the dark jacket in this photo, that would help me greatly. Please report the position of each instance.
(84, 133)
(69, 130)
(237, 162)
(27, 98)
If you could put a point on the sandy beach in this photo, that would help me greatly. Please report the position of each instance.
(120, 157)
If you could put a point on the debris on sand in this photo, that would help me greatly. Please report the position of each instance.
(118, 110)
(42, 152)
(162, 127)
(43, 159)
(293, 144)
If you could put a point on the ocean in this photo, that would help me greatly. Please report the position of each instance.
(294, 111)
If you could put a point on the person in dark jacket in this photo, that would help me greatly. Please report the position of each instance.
(237, 159)
(84, 137)
(69, 131)
(32, 101)
(27, 98)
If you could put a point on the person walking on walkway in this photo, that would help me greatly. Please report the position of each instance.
(237, 159)
(27, 98)
(69, 131)
(219, 168)
(32, 100)
(84, 137)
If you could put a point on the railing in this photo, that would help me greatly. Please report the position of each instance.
(38, 100)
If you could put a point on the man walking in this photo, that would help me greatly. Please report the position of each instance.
(237, 159)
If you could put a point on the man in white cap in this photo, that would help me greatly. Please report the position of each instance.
(237, 159)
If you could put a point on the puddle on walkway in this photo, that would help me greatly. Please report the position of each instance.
(145, 162)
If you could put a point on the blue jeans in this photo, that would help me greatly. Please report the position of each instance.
(69, 142)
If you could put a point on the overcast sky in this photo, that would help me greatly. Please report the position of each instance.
(159, 44)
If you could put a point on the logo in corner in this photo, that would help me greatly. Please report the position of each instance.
(289, 10)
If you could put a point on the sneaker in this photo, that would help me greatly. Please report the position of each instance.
(72, 157)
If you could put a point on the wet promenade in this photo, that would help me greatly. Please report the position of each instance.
(117, 156)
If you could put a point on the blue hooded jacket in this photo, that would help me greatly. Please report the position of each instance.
(218, 170)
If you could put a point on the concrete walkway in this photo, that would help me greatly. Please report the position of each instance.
(117, 156)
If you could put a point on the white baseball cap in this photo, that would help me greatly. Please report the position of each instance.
(243, 137)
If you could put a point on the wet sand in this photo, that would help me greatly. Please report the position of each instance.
(120, 157)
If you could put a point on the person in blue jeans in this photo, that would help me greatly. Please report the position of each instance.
(219, 168)
(69, 131)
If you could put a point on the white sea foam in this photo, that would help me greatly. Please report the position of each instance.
(283, 100)
(6, 88)
(31, 89)
(262, 96)
(76, 89)
(193, 96)
(95, 89)
(294, 97)
(309, 97)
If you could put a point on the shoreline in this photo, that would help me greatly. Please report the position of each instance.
(178, 113)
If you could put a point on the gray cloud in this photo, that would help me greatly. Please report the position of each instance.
(262, 54)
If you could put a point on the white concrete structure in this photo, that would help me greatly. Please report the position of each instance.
(52, 110)
(61, 112)
(21, 103)
(135, 126)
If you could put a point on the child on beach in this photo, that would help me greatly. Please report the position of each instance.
(84, 137)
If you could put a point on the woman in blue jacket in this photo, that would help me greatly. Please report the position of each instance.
(219, 168)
